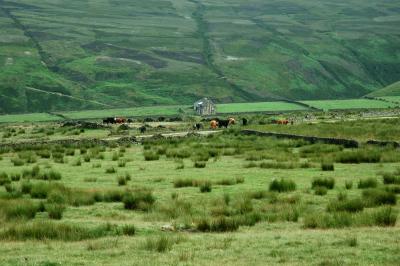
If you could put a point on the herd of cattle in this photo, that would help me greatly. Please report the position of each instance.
(214, 123)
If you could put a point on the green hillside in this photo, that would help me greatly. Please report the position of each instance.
(85, 54)
(391, 90)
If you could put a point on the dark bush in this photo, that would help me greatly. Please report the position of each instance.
(282, 185)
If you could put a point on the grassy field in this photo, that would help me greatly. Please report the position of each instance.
(186, 110)
(258, 107)
(395, 99)
(212, 200)
(120, 53)
(350, 104)
(362, 130)
(130, 112)
(34, 117)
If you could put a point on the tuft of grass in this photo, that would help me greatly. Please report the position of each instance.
(19, 209)
(327, 166)
(128, 230)
(391, 178)
(367, 183)
(122, 181)
(111, 170)
(282, 185)
(55, 211)
(26, 187)
(377, 197)
(139, 200)
(205, 187)
(121, 163)
(348, 184)
(353, 205)
(17, 162)
(200, 164)
(385, 217)
(320, 191)
(43, 230)
(161, 244)
(328, 183)
(4, 179)
(151, 156)
(352, 242)
(359, 156)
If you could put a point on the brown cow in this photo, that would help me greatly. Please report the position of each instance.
(213, 124)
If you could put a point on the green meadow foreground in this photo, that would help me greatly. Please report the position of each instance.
(223, 198)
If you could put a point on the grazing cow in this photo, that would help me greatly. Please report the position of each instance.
(231, 121)
(109, 120)
(244, 121)
(223, 123)
(130, 120)
(214, 124)
(142, 129)
(197, 126)
(120, 120)
(282, 122)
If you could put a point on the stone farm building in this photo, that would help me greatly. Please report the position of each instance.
(205, 107)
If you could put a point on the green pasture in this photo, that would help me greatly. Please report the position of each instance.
(350, 104)
(240, 187)
(258, 107)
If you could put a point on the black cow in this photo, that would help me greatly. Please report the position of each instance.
(142, 129)
(197, 126)
(223, 123)
(109, 120)
(244, 121)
